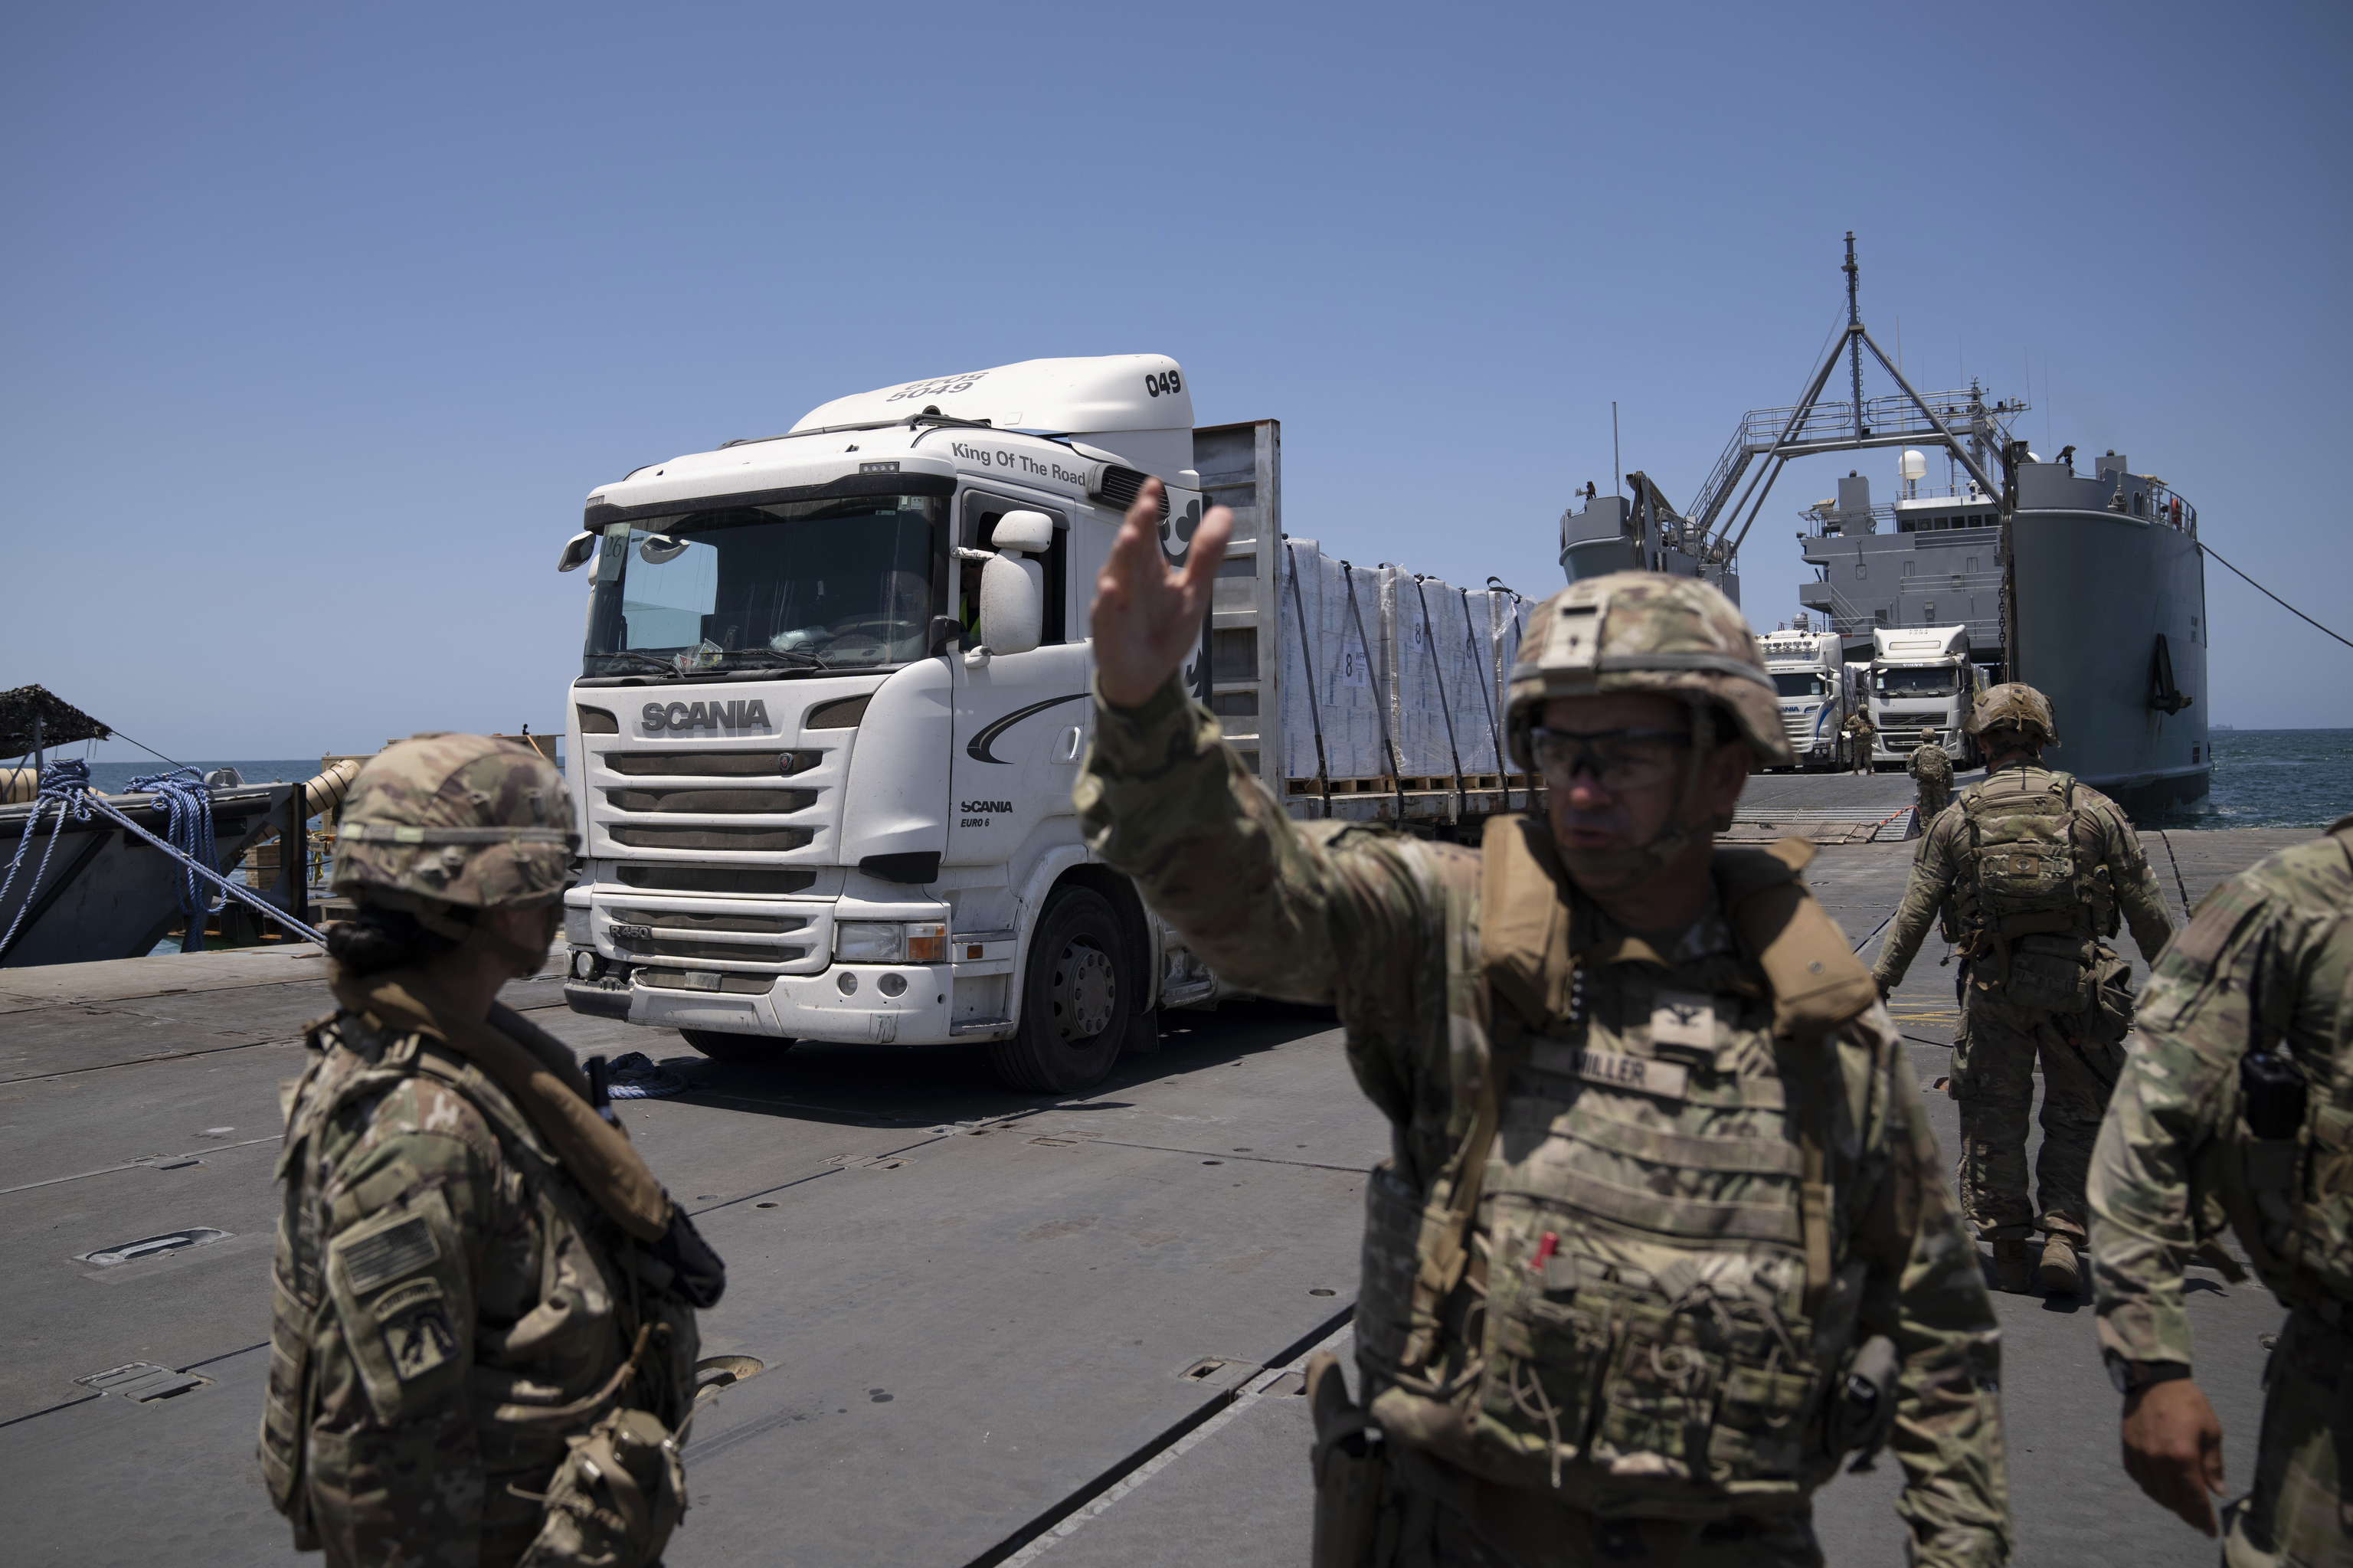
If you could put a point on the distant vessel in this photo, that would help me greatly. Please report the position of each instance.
(2090, 588)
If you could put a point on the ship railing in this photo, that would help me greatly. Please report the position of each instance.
(1965, 412)
(2167, 507)
(1818, 519)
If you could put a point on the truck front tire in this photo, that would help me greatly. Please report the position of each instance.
(1077, 995)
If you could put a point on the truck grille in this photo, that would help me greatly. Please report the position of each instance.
(712, 879)
(711, 764)
(653, 946)
(686, 920)
(713, 802)
(710, 837)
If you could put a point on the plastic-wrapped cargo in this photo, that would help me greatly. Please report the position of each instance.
(1397, 675)
(1331, 685)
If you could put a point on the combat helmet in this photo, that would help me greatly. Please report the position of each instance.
(2013, 705)
(440, 823)
(1646, 633)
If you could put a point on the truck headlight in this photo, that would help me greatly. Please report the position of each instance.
(889, 942)
(576, 926)
(869, 942)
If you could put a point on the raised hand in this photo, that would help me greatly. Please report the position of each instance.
(1147, 618)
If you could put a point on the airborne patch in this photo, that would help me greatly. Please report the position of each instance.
(416, 1328)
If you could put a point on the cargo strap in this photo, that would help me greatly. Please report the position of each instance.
(1437, 672)
(1380, 700)
(1487, 684)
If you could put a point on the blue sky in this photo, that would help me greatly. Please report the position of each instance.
(316, 323)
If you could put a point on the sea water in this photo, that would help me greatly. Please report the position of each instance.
(2273, 779)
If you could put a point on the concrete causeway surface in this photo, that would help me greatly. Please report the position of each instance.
(996, 1328)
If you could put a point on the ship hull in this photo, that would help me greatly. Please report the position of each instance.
(2094, 591)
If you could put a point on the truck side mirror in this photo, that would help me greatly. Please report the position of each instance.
(1012, 588)
(1012, 603)
(577, 551)
(1031, 533)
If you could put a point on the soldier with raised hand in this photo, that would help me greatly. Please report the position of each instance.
(1861, 737)
(1932, 773)
(483, 1344)
(2237, 1105)
(2040, 869)
(1666, 1236)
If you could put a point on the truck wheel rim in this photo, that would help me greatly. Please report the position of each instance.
(1085, 992)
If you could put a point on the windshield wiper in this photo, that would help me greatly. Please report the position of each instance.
(796, 657)
(645, 661)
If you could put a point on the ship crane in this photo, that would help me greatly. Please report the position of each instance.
(1962, 422)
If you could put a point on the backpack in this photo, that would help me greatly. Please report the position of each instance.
(2021, 854)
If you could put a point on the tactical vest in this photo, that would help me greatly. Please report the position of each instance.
(2290, 1199)
(659, 1376)
(1626, 1286)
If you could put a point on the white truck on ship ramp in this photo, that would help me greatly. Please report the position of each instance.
(835, 698)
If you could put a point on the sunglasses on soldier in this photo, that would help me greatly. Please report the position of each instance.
(1617, 759)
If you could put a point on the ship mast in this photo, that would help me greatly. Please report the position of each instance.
(1725, 510)
(1854, 333)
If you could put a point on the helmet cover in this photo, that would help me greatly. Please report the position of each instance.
(1651, 633)
(456, 820)
(2013, 705)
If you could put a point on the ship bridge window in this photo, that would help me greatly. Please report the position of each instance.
(1798, 683)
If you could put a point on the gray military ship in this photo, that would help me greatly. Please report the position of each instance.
(2091, 588)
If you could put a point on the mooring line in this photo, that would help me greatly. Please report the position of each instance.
(2175, 862)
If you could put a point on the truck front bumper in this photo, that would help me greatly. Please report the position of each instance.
(805, 1007)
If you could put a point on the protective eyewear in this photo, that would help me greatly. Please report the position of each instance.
(1617, 759)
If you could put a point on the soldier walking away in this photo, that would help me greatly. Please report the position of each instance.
(1862, 738)
(1665, 1237)
(484, 1345)
(2039, 869)
(1932, 771)
(2240, 1098)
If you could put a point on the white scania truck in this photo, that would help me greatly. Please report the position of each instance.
(1921, 679)
(835, 695)
(1810, 669)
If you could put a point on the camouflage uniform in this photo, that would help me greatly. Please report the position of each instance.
(1861, 738)
(461, 1291)
(1932, 770)
(1597, 1375)
(2004, 1027)
(2266, 963)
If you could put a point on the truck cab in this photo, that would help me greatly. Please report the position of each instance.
(1922, 680)
(833, 699)
(1809, 670)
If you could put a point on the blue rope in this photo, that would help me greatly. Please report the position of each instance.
(187, 808)
(67, 784)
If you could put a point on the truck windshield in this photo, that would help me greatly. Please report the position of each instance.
(814, 585)
(1798, 683)
(1935, 681)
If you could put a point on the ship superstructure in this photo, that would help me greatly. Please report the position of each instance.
(2090, 587)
